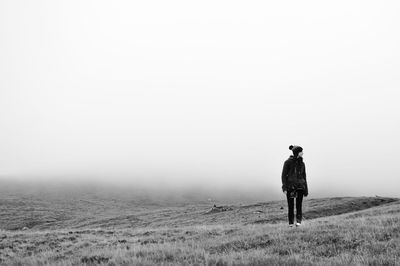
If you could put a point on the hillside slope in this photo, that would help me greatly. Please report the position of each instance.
(87, 211)
(349, 231)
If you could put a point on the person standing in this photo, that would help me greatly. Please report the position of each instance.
(294, 183)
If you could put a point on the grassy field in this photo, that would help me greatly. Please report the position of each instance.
(42, 230)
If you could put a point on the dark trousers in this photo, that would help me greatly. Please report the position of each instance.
(299, 202)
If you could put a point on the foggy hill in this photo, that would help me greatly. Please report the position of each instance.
(43, 208)
(158, 194)
(85, 227)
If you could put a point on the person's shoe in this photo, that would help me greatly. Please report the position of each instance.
(291, 225)
(298, 224)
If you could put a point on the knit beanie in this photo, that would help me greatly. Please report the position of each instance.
(295, 149)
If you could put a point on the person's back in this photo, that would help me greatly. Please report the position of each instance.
(295, 176)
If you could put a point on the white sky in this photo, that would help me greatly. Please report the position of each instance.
(211, 92)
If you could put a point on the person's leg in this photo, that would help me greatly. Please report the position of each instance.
(290, 208)
(299, 203)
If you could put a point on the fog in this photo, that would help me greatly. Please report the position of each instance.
(209, 95)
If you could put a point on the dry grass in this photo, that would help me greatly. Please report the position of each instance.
(370, 236)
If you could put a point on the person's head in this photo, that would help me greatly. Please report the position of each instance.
(297, 150)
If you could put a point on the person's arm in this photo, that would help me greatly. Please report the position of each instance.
(305, 179)
(284, 175)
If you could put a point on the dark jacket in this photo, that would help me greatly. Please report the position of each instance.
(294, 175)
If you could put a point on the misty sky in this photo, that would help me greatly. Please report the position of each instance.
(206, 92)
